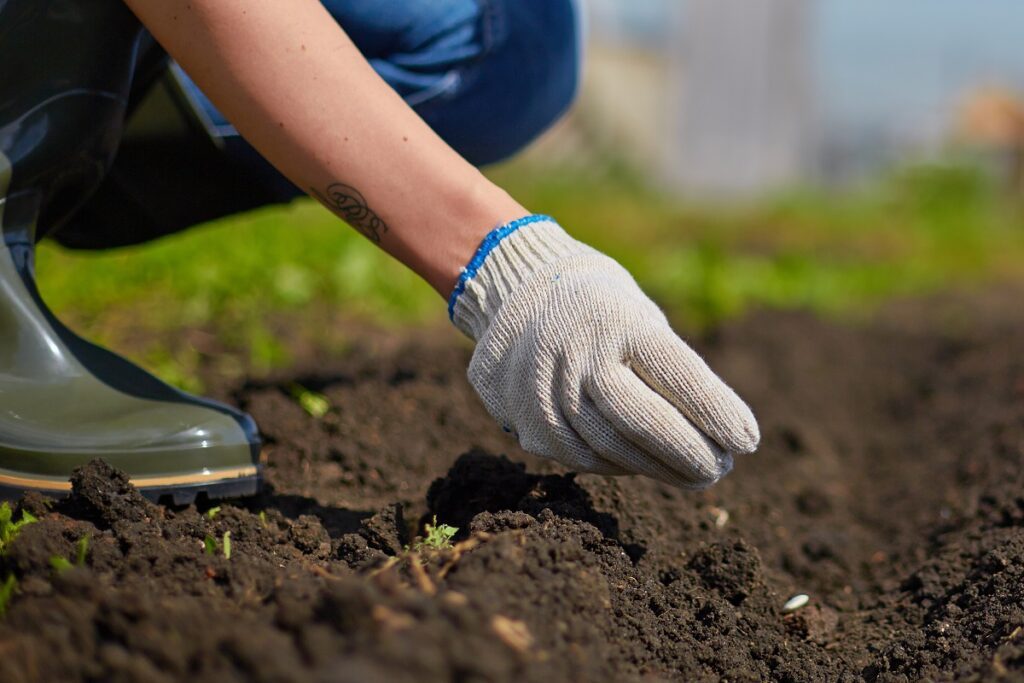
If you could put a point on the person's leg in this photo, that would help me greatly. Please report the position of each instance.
(488, 75)
(64, 401)
(525, 76)
(172, 170)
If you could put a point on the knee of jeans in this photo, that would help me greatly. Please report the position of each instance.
(417, 46)
(543, 72)
(551, 87)
(526, 79)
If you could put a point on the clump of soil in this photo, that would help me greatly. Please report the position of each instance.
(889, 488)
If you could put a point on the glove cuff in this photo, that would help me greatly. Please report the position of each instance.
(507, 256)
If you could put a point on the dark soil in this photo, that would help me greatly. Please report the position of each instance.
(889, 488)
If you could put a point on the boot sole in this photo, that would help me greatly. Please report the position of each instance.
(182, 489)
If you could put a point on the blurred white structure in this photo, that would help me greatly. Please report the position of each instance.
(741, 106)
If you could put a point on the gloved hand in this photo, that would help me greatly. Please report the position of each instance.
(575, 359)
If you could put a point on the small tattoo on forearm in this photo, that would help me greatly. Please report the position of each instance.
(346, 201)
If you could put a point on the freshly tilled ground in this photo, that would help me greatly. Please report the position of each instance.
(888, 488)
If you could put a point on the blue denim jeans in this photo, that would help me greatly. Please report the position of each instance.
(487, 75)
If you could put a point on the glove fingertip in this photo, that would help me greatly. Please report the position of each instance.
(744, 436)
(750, 440)
(711, 476)
(725, 464)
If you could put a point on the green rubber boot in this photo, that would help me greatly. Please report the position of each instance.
(64, 94)
(65, 401)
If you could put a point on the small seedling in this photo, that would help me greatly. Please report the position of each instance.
(439, 536)
(61, 564)
(212, 512)
(82, 550)
(9, 530)
(210, 545)
(313, 403)
(7, 589)
(263, 518)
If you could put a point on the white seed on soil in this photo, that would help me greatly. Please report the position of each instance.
(721, 516)
(795, 603)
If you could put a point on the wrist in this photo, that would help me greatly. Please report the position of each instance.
(474, 212)
(506, 257)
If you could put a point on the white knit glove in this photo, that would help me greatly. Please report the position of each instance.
(575, 359)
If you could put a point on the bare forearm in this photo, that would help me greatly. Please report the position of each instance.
(297, 88)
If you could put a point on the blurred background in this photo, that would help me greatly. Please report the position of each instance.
(732, 99)
(820, 154)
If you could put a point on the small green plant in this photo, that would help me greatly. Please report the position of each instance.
(7, 589)
(62, 564)
(438, 537)
(211, 546)
(263, 518)
(81, 550)
(9, 530)
(313, 403)
(212, 512)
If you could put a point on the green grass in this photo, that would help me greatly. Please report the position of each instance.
(230, 276)
(912, 231)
